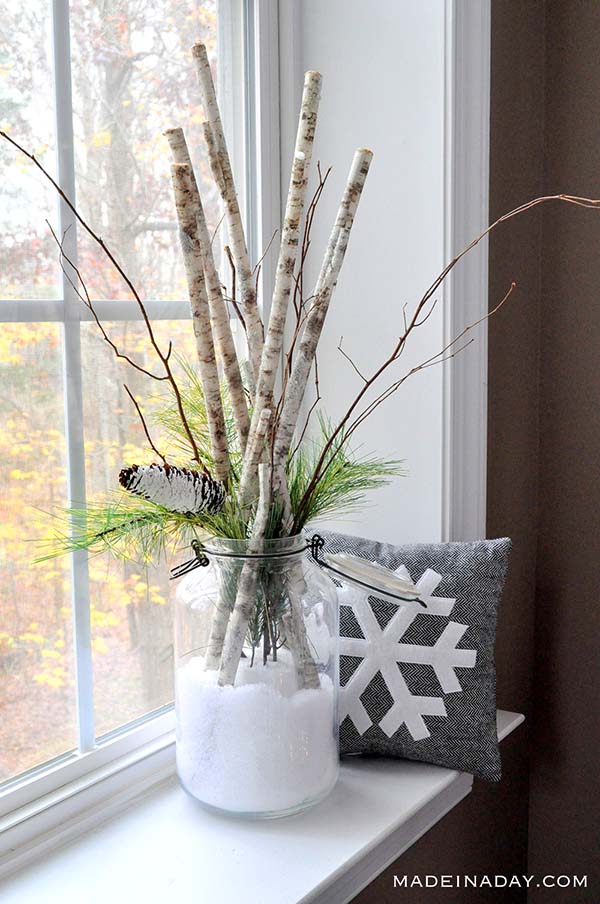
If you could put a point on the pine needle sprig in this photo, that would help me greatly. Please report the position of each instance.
(128, 527)
(165, 415)
(343, 486)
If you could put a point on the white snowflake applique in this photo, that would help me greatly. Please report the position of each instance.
(382, 649)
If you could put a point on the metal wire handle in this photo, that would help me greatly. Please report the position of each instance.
(202, 553)
(317, 543)
(314, 545)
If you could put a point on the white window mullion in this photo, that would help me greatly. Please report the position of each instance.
(72, 374)
(263, 138)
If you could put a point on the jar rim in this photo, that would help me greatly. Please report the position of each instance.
(273, 547)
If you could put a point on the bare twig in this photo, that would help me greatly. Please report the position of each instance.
(231, 298)
(428, 314)
(143, 422)
(164, 359)
(215, 231)
(413, 323)
(310, 410)
(265, 252)
(349, 360)
(86, 299)
(348, 427)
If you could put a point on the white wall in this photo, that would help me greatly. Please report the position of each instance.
(383, 68)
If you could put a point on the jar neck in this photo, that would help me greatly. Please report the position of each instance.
(279, 549)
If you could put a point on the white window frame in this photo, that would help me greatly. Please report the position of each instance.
(467, 76)
(29, 794)
(465, 291)
(82, 788)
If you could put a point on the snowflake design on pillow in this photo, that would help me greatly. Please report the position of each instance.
(383, 650)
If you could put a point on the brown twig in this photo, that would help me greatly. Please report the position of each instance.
(310, 410)
(265, 252)
(348, 427)
(231, 298)
(591, 203)
(349, 360)
(143, 422)
(216, 229)
(87, 301)
(438, 358)
(164, 359)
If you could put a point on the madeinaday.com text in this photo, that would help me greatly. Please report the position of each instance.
(484, 881)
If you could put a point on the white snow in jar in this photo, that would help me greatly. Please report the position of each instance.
(259, 746)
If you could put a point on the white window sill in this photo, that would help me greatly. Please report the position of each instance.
(164, 847)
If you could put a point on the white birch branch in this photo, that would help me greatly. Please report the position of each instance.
(213, 157)
(219, 316)
(218, 627)
(306, 669)
(330, 270)
(186, 208)
(226, 185)
(288, 252)
(246, 595)
(282, 494)
(222, 613)
(254, 453)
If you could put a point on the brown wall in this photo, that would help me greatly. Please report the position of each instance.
(564, 827)
(543, 468)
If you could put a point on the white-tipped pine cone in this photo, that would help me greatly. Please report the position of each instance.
(177, 489)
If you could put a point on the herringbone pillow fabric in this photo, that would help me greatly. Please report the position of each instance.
(420, 682)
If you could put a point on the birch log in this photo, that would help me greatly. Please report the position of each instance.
(218, 629)
(226, 187)
(254, 453)
(246, 595)
(307, 675)
(326, 282)
(213, 157)
(185, 205)
(288, 252)
(222, 613)
(219, 316)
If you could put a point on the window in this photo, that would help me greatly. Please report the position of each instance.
(85, 646)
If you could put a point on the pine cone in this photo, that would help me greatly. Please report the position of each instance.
(177, 489)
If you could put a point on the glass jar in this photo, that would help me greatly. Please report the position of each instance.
(256, 644)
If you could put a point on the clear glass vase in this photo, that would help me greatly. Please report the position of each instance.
(256, 643)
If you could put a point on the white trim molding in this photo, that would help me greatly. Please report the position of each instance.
(467, 105)
(83, 790)
(165, 847)
(263, 131)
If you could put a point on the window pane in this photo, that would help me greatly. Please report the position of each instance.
(28, 259)
(132, 79)
(37, 700)
(131, 613)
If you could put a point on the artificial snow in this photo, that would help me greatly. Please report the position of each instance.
(260, 746)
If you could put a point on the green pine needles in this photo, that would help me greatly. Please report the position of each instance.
(131, 527)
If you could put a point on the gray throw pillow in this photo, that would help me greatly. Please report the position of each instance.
(420, 682)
